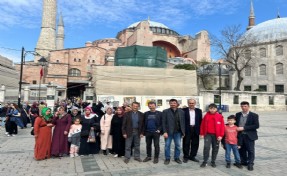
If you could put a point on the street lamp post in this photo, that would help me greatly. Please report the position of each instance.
(42, 62)
(219, 74)
(23, 55)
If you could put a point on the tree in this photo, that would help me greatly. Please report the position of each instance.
(235, 48)
(204, 73)
(185, 66)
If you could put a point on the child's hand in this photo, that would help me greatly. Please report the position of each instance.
(219, 138)
(201, 136)
(238, 147)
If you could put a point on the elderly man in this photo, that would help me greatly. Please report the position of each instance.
(193, 117)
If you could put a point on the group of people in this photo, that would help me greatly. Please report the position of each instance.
(119, 131)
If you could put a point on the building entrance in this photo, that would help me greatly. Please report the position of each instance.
(76, 90)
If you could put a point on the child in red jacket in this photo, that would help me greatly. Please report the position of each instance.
(212, 130)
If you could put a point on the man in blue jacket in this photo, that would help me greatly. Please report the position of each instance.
(152, 131)
(248, 124)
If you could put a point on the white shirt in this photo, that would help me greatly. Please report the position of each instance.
(192, 116)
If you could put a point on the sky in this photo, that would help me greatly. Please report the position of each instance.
(89, 20)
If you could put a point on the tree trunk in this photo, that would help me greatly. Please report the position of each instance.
(239, 81)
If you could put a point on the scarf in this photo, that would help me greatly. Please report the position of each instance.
(46, 117)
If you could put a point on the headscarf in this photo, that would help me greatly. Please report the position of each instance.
(46, 117)
(90, 109)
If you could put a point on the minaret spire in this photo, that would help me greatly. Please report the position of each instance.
(251, 22)
(47, 38)
(278, 13)
(60, 33)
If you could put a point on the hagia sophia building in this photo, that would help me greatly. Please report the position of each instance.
(74, 68)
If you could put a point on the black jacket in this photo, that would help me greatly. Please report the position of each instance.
(127, 127)
(198, 119)
(158, 119)
(251, 126)
(168, 121)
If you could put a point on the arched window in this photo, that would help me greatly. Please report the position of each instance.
(279, 69)
(279, 50)
(262, 52)
(74, 72)
(247, 54)
(248, 71)
(262, 69)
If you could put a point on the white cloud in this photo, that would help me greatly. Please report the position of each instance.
(27, 13)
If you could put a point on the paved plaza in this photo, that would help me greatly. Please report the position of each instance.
(16, 157)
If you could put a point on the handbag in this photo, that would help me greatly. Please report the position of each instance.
(32, 132)
(92, 137)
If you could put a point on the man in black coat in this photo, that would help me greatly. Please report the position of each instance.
(193, 118)
(248, 124)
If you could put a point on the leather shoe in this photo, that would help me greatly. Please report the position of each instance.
(155, 160)
(178, 161)
(185, 160)
(126, 160)
(166, 162)
(194, 159)
(147, 159)
(250, 167)
(138, 159)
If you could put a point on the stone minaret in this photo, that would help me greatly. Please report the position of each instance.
(251, 22)
(47, 39)
(60, 34)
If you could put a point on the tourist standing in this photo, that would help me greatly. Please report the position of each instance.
(62, 122)
(74, 137)
(34, 112)
(89, 122)
(106, 138)
(152, 131)
(116, 132)
(43, 135)
(248, 123)
(173, 125)
(193, 118)
(132, 130)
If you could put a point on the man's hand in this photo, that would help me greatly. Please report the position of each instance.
(65, 132)
(219, 138)
(238, 147)
(240, 128)
(49, 125)
(165, 135)
(92, 128)
(201, 136)
(125, 136)
(36, 136)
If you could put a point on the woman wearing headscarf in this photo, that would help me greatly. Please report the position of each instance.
(106, 138)
(43, 135)
(89, 122)
(75, 113)
(15, 119)
(62, 122)
(116, 132)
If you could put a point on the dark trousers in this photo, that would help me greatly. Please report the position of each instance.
(247, 150)
(149, 137)
(135, 139)
(190, 144)
(32, 120)
(210, 140)
(12, 128)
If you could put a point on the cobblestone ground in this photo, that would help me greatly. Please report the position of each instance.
(16, 157)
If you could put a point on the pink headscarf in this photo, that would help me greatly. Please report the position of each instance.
(90, 109)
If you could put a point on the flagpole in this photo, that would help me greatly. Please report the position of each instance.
(41, 74)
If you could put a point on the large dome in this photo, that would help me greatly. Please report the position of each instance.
(151, 23)
(270, 30)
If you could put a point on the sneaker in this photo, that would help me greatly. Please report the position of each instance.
(238, 165)
(185, 160)
(72, 155)
(147, 159)
(250, 167)
(8, 135)
(13, 135)
(76, 155)
(213, 164)
(116, 155)
(204, 164)
(138, 159)
(228, 165)
(194, 159)
(155, 160)
(166, 162)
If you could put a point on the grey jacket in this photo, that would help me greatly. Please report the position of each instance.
(168, 121)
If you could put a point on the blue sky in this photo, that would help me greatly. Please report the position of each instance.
(89, 20)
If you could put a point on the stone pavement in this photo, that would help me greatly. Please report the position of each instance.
(16, 157)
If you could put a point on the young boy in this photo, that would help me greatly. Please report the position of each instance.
(212, 130)
(231, 142)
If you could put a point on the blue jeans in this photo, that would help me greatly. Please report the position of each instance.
(176, 137)
(2, 123)
(235, 151)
